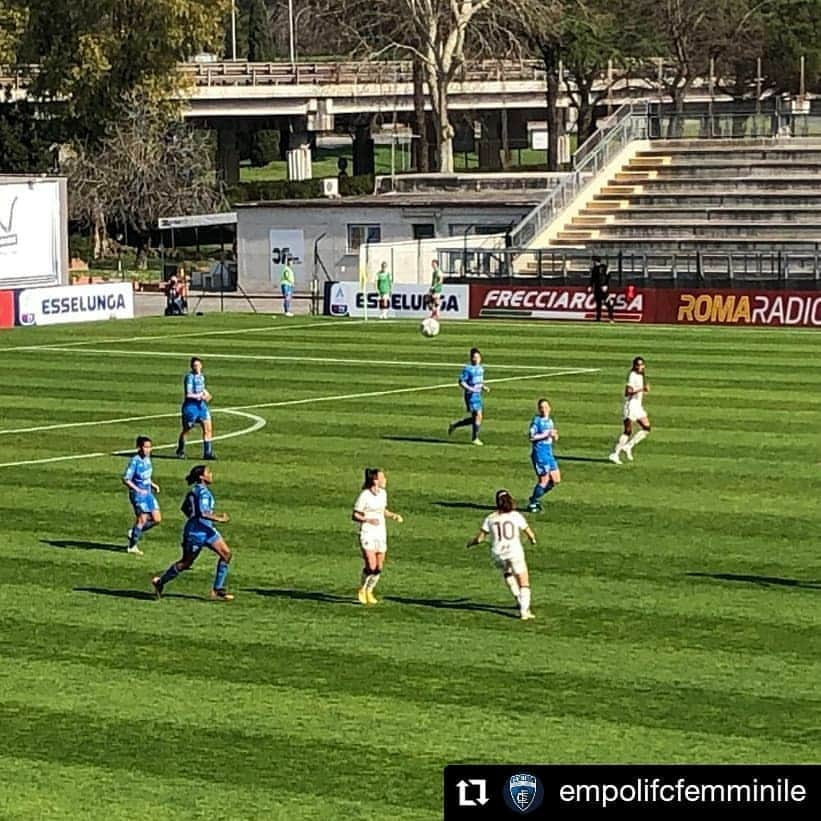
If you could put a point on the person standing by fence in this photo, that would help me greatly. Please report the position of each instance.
(600, 286)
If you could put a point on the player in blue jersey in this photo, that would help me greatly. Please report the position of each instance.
(141, 490)
(542, 435)
(199, 532)
(472, 382)
(195, 410)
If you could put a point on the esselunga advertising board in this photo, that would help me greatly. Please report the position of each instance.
(407, 301)
(75, 303)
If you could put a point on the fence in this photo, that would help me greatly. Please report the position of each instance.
(774, 268)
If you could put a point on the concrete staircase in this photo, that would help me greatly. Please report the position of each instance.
(679, 197)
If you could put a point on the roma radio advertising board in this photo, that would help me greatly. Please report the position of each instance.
(674, 306)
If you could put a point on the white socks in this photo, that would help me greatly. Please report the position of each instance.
(371, 581)
(524, 599)
(621, 444)
(636, 438)
(511, 582)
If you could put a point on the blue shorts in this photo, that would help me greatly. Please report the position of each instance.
(473, 402)
(544, 464)
(195, 538)
(194, 413)
(143, 503)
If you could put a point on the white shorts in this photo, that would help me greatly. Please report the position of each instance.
(634, 411)
(373, 544)
(510, 562)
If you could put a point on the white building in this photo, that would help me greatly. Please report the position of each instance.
(324, 235)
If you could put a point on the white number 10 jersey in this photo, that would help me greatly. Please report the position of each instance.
(503, 528)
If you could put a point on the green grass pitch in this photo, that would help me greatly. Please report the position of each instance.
(677, 598)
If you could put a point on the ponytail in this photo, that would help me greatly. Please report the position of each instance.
(504, 501)
(195, 474)
(370, 477)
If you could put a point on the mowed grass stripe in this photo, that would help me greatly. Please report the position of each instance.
(285, 662)
(183, 793)
(285, 725)
(676, 597)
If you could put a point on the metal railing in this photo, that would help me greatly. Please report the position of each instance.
(628, 123)
(775, 268)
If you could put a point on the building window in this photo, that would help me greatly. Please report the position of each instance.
(424, 230)
(361, 234)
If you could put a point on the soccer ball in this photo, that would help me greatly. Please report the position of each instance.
(429, 327)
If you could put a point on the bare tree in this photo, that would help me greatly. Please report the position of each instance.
(691, 33)
(435, 32)
(148, 165)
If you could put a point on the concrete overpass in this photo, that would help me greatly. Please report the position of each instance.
(302, 99)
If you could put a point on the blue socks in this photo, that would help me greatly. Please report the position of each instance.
(221, 575)
(476, 428)
(169, 574)
(539, 491)
(207, 448)
(134, 537)
(181, 445)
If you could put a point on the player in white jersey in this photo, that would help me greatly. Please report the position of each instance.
(370, 510)
(503, 526)
(634, 411)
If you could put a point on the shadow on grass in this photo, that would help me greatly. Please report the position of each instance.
(333, 598)
(457, 604)
(466, 505)
(425, 440)
(763, 581)
(140, 595)
(303, 595)
(562, 458)
(81, 545)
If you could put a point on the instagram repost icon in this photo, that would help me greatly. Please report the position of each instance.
(524, 793)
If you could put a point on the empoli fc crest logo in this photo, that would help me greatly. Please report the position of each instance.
(524, 793)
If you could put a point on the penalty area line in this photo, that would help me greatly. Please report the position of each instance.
(258, 423)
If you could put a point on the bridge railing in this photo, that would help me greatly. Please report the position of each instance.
(241, 73)
(628, 123)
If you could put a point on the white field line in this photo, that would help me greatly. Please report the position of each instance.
(128, 340)
(277, 358)
(258, 423)
(291, 402)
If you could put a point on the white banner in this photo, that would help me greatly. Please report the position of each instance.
(407, 301)
(31, 229)
(284, 244)
(76, 303)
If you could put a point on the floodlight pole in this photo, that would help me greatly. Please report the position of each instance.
(233, 29)
(291, 33)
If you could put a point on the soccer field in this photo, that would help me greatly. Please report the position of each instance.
(676, 597)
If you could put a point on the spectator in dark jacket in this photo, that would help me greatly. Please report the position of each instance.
(600, 286)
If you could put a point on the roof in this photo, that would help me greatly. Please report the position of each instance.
(471, 199)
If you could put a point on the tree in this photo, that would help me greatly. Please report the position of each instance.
(92, 55)
(260, 39)
(24, 139)
(435, 31)
(692, 33)
(779, 47)
(593, 35)
(13, 17)
(148, 164)
(540, 26)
